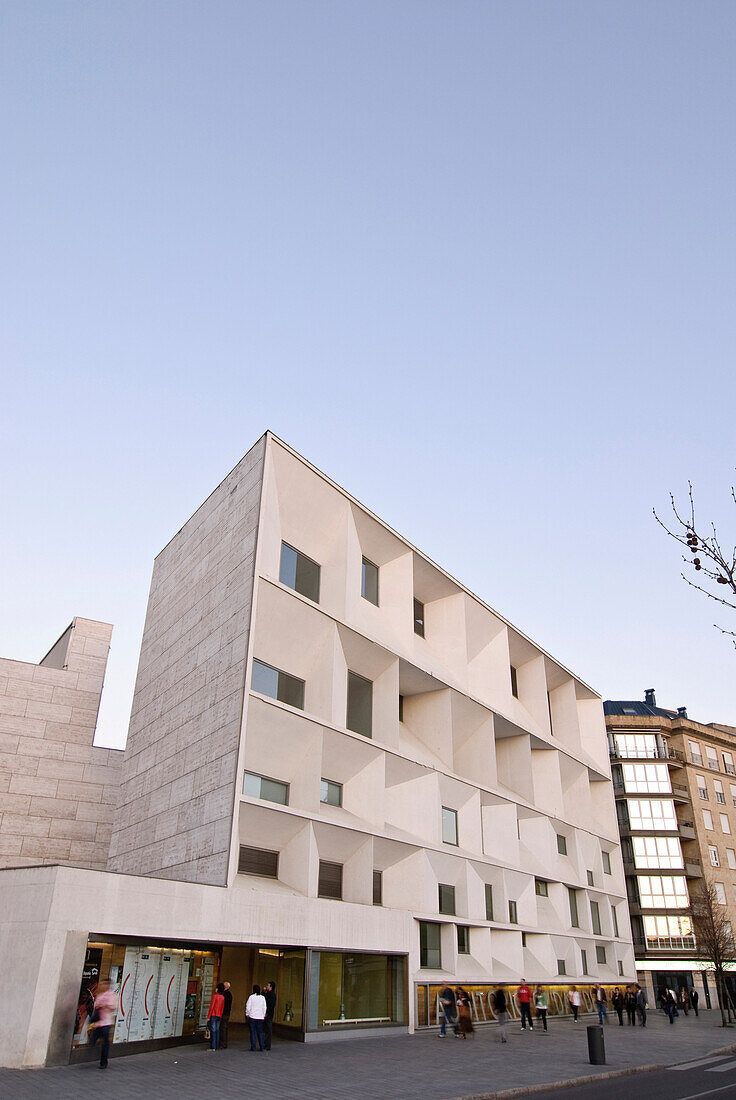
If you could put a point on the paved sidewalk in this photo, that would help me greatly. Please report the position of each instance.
(417, 1067)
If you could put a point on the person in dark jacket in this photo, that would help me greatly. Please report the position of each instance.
(269, 993)
(225, 1014)
(694, 998)
(630, 1005)
(447, 1010)
(500, 1008)
(617, 1000)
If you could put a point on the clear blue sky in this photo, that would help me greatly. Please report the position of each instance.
(474, 260)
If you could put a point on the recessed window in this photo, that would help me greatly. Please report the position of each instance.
(728, 763)
(648, 813)
(720, 796)
(720, 893)
(615, 921)
(514, 682)
(489, 901)
(713, 853)
(513, 918)
(712, 758)
(401, 708)
(369, 582)
(606, 863)
(429, 945)
(662, 891)
(299, 572)
(419, 618)
(257, 786)
(446, 899)
(731, 857)
(656, 852)
(258, 861)
(540, 888)
(359, 716)
(702, 787)
(449, 826)
(463, 939)
(584, 960)
(600, 955)
(591, 880)
(523, 939)
(277, 685)
(725, 824)
(377, 888)
(573, 899)
(620, 969)
(707, 819)
(595, 917)
(330, 880)
(561, 966)
(561, 844)
(330, 793)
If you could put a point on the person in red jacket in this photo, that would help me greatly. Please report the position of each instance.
(216, 1010)
(524, 996)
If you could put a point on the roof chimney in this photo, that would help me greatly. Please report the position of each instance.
(649, 698)
(682, 712)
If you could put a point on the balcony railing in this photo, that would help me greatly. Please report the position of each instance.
(647, 754)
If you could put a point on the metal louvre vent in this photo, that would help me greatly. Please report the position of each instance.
(330, 880)
(258, 861)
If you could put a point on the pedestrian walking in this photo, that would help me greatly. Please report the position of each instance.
(464, 1017)
(600, 1003)
(630, 1005)
(500, 1008)
(694, 998)
(670, 1004)
(524, 996)
(575, 1000)
(255, 1013)
(447, 1010)
(227, 1009)
(541, 1004)
(684, 1000)
(641, 1005)
(104, 1011)
(617, 1000)
(214, 1016)
(269, 995)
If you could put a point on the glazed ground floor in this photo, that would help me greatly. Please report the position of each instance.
(689, 974)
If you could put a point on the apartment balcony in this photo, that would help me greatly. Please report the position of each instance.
(693, 867)
(679, 793)
(661, 944)
(686, 830)
(672, 756)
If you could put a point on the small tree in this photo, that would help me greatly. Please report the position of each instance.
(714, 940)
(706, 557)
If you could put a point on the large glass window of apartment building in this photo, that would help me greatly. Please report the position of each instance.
(369, 581)
(347, 989)
(359, 716)
(257, 786)
(711, 757)
(646, 778)
(695, 754)
(663, 892)
(718, 788)
(657, 929)
(645, 813)
(299, 572)
(277, 685)
(430, 956)
(728, 764)
(656, 852)
(637, 746)
(449, 826)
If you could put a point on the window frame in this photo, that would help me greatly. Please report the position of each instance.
(293, 587)
(330, 783)
(463, 934)
(258, 664)
(267, 779)
(450, 815)
(364, 587)
(445, 898)
(419, 621)
(352, 677)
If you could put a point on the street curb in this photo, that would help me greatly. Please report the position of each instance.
(589, 1079)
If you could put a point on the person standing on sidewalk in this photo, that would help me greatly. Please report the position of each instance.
(447, 1010)
(214, 1016)
(225, 1014)
(464, 1017)
(269, 995)
(694, 998)
(500, 1008)
(575, 1000)
(600, 1003)
(617, 1000)
(684, 1000)
(524, 996)
(641, 1005)
(541, 1004)
(255, 1013)
(630, 1005)
(105, 1005)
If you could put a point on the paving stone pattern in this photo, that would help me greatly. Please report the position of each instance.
(397, 1067)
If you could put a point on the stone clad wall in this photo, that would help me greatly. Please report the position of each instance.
(57, 790)
(178, 785)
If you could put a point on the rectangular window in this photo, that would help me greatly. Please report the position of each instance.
(449, 826)
(257, 786)
(702, 787)
(731, 858)
(330, 793)
(429, 945)
(636, 746)
(712, 758)
(369, 582)
(377, 888)
(620, 969)
(540, 888)
(695, 753)
(573, 899)
(728, 764)
(583, 961)
(663, 892)
(720, 796)
(299, 572)
(330, 880)
(418, 617)
(514, 682)
(725, 825)
(463, 939)
(561, 966)
(446, 899)
(720, 892)
(646, 779)
(733, 793)
(713, 853)
(561, 844)
(707, 819)
(258, 861)
(656, 852)
(646, 814)
(591, 880)
(359, 716)
(277, 685)
(513, 918)
(606, 863)
(595, 917)
(600, 955)
(615, 921)
(657, 928)
(489, 901)
(401, 708)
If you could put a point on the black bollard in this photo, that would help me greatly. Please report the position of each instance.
(596, 1046)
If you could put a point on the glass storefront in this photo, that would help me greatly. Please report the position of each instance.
(285, 967)
(349, 990)
(481, 1002)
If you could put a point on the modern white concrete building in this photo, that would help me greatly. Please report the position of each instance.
(345, 772)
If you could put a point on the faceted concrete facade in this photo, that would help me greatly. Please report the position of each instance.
(57, 790)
